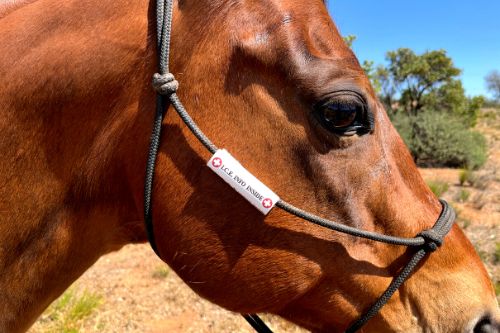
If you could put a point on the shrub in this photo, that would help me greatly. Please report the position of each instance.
(161, 272)
(403, 124)
(464, 176)
(70, 311)
(441, 139)
(463, 195)
(438, 187)
(489, 117)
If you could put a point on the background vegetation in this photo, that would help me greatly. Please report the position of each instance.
(425, 98)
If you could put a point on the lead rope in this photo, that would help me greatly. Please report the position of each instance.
(166, 86)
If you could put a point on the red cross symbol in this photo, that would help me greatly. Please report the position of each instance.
(217, 162)
(267, 203)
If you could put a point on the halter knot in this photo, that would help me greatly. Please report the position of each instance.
(432, 239)
(165, 84)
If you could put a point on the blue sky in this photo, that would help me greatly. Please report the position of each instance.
(468, 30)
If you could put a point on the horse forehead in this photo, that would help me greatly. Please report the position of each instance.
(306, 44)
(273, 13)
(298, 25)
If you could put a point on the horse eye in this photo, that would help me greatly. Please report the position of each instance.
(340, 115)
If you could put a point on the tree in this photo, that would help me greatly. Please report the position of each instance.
(493, 83)
(437, 115)
(413, 76)
(349, 40)
(370, 71)
(451, 97)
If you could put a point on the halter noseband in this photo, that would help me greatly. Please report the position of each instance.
(166, 86)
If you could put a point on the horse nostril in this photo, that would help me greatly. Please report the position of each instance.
(487, 325)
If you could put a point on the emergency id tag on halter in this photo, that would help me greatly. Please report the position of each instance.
(246, 184)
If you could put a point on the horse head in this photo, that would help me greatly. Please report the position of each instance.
(273, 82)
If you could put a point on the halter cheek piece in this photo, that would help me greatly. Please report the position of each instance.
(166, 86)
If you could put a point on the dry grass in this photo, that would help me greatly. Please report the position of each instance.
(69, 313)
(438, 187)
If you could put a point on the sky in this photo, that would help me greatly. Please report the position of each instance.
(468, 30)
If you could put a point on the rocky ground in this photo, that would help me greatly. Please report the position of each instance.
(132, 290)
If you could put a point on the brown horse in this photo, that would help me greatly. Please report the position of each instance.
(76, 109)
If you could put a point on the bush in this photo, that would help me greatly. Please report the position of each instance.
(438, 187)
(403, 124)
(441, 139)
(491, 103)
(464, 176)
(450, 98)
(462, 196)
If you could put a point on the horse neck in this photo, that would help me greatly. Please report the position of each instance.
(69, 143)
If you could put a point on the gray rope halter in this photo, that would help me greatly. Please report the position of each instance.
(166, 86)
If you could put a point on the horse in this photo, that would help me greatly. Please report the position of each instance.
(274, 83)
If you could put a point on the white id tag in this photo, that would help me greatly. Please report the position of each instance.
(246, 184)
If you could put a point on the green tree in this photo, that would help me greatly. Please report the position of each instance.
(451, 97)
(349, 40)
(372, 73)
(493, 83)
(437, 115)
(413, 76)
